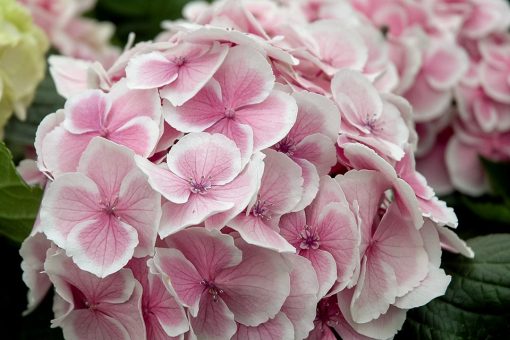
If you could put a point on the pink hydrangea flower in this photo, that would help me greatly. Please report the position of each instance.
(280, 191)
(368, 118)
(179, 72)
(128, 117)
(203, 177)
(393, 259)
(239, 102)
(164, 317)
(222, 282)
(326, 233)
(89, 307)
(311, 141)
(103, 214)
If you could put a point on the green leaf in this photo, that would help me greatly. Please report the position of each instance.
(490, 211)
(499, 177)
(19, 203)
(476, 304)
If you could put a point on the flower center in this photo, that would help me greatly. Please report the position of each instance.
(286, 146)
(230, 113)
(180, 61)
(261, 209)
(371, 123)
(211, 288)
(109, 206)
(201, 186)
(309, 238)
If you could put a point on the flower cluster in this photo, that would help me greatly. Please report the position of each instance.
(249, 174)
(454, 64)
(69, 32)
(22, 49)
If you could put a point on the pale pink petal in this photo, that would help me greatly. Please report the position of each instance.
(256, 289)
(49, 123)
(319, 150)
(86, 112)
(300, 306)
(102, 246)
(465, 168)
(278, 328)
(444, 66)
(427, 102)
(451, 242)
(199, 113)
(107, 164)
(400, 246)
(149, 71)
(240, 191)
(316, 114)
(384, 327)
(140, 207)
(495, 82)
(245, 77)
(257, 231)
(241, 134)
(214, 320)
(71, 199)
(291, 225)
(193, 75)
(139, 134)
(33, 251)
(329, 192)
(172, 187)
(182, 275)
(432, 286)
(325, 267)
(89, 325)
(128, 104)
(270, 120)
(375, 290)
(310, 183)
(69, 75)
(339, 46)
(356, 97)
(282, 183)
(196, 210)
(62, 150)
(204, 156)
(338, 232)
(208, 251)
(438, 211)
(28, 170)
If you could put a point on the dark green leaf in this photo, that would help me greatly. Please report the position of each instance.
(18, 202)
(490, 211)
(499, 177)
(476, 304)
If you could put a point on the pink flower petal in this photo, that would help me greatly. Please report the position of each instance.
(67, 202)
(255, 230)
(101, 247)
(70, 75)
(325, 267)
(299, 306)
(196, 210)
(194, 74)
(279, 327)
(256, 289)
(270, 120)
(172, 187)
(245, 77)
(310, 183)
(200, 156)
(139, 134)
(214, 319)
(149, 71)
(199, 113)
(208, 251)
(319, 150)
(182, 275)
(86, 111)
